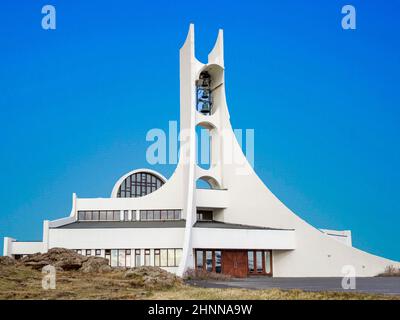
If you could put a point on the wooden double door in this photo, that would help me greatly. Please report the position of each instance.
(234, 263)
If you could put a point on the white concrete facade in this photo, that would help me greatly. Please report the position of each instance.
(247, 216)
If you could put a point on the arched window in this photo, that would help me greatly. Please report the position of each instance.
(139, 184)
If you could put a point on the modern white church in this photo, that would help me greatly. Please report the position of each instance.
(236, 226)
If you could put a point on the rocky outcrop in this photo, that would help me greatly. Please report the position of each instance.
(65, 260)
(152, 278)
(7, 261)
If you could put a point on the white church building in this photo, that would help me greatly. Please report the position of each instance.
(236, 226)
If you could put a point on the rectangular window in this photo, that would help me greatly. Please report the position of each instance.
(110, 215)
(267, 262)
(147, 257)
(98, 252)
(171, 215)
(250, 261)
(157, 215)
(126, 215)
(121, 258)
(199, 259)
(103, 215)
(117, 215)
(171, 257)
(209, 261)
(218, 266)
(150, 215)
(79, 251)
(143, 215)
(177, 214)
(178, 257)
(88, 252)
(81, 215)
(96, 215)
(164, 258)
(88, 215)
(156, 257)
(164, 215)
(108, 255)
(259, 261)
(128, 258)
(114, 258)
(138, 263)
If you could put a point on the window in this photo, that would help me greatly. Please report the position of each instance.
(138, 263)
(209, 261)
(199, 259)
(128, 258)
(98, 252)
(157, 215)
(259, 261)
(164, 258)
(102, 215)
(108, 255)
(157, 257)
(218, 265)
(171, 257)
(147, 257)
(250, 261)
(88, 252)
(121, 258)
(88, 215)
(79, 251)
(178, 257)
(268, 262)
(96, 215)
(110, 215)
(139, 184)
(204, 215)
(114, 258)
(126, 215)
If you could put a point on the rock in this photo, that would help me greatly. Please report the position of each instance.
(152, 278)
(65, 260)
(7, 261)
(95, 264)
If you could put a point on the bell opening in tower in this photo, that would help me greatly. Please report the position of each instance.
(203, 93)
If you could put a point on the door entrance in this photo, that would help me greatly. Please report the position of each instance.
(234, 263)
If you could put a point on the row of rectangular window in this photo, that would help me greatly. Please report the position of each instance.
(150, 215)
(115, 215)
(123, 257)
(102, 215)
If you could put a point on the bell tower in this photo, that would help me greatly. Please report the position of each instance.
(202, 104)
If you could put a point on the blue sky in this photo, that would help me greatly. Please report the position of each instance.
(76, 103)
